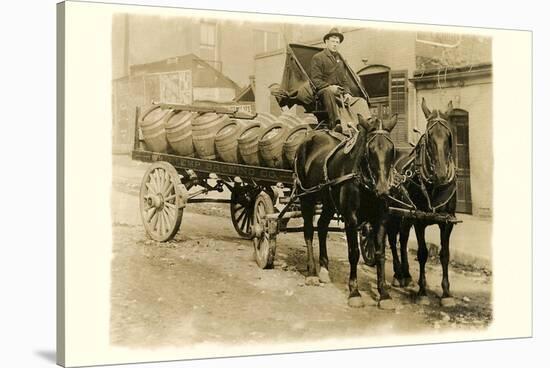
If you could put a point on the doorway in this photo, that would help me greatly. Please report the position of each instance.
(460, 123)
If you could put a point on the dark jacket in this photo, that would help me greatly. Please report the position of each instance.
(326, 69)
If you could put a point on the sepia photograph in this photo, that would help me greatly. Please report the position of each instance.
(286, 183)
(279, 181)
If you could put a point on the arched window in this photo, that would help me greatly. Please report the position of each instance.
(387, 90)
(376, 81)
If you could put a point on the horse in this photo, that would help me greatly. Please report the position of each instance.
(430, 185)
(352, 184)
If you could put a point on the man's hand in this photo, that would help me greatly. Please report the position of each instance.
(347, 98)
(337, 90)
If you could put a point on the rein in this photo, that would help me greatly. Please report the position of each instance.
(423, 170)
(425, 161)
(377, 133)
(367, 182)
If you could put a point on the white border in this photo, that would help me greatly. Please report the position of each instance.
(29, 303)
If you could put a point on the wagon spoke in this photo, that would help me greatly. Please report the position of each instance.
(248, 225)
(158, 223)
(160, 228)
(170, 197)
(167, 222)
(160, 179)
(170, 187)
(154, 220)
(150, 188)
(170, 205)
(150, 212)
(166, 182)
(152, 183)
(154, 180)
(240, 216)
(169, 214)
(236, 212)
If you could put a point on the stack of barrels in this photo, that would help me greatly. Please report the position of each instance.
(267, 140)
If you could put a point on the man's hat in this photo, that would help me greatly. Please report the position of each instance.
(334, 32)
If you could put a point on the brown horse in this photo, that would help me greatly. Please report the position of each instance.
(431, 187)
(352, 184)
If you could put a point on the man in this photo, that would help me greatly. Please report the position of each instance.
(328, 73)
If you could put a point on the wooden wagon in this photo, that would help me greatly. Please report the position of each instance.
(173, 181)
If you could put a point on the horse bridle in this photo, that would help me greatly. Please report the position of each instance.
(426, 176)
(378, 133)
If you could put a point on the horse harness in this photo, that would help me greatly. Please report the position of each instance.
(347, 145)
(417, 167)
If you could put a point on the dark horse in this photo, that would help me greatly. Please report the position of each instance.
(431, 186)
(353, 184)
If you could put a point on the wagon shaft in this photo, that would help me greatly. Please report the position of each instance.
(421, 215)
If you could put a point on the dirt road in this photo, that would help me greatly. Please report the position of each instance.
(204, 286)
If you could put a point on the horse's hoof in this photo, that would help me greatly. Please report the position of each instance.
(448, 302)
(312, 281)
(395, 282)
(408, 282)
(356, 302)
(386, 304)
(422, 300)
(324, 276)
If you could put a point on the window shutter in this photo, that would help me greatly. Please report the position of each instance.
(398, 100)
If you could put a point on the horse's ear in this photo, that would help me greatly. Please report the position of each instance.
(390, 124)
(425, 109)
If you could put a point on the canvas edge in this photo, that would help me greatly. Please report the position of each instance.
(60, 185)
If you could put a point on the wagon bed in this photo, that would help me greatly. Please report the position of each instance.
(256, 173)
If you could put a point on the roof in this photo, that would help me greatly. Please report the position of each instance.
(203, 74)
(248, 94)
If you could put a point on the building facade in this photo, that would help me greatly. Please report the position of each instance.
(397, 68)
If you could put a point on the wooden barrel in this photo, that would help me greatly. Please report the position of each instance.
(247, 144)
(294, 138)
(226, 142)
(152, 127)
(271, 145)
(205, 127)
(310, 119)
(265, 119)
(179, 132)
(290, 120)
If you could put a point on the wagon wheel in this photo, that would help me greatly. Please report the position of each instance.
(242, 208)
(162, 199)
(265, 237)
(366, 244)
